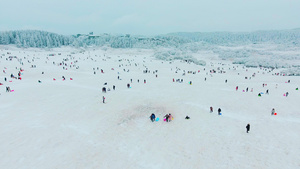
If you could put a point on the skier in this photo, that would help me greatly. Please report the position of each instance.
(152, 117)
(273, 111)
(248, 127)
(211, 109)
(219, 111)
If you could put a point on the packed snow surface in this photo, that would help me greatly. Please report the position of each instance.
(64, 124)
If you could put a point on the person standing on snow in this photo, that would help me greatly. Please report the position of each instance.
(211, 109)
(152, 117)
(167, 117)
(219, 111)
(103, 99)
(273, 111)
(170, 117)
(248, 127)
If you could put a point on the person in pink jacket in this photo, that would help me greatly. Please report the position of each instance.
(170, 117)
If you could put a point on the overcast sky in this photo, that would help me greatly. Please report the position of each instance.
(148, 17)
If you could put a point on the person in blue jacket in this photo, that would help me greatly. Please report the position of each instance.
(152, 117)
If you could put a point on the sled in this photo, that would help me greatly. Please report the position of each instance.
(275, 114)
(157, 119)
(165, 120)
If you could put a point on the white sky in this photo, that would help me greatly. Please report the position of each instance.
(148, 17)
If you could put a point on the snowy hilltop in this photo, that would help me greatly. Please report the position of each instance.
(42, 39)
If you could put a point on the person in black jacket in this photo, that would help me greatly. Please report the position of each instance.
(248, 127)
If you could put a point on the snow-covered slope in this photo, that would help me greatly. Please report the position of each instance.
(64, 124)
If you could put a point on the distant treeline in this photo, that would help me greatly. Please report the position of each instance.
(43, 39)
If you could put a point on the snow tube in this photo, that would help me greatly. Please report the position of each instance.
(54, 79)
(261, 93)
(165, 120)
(12, 90)
(71, 78)
(157, 119)
(284, 94)
(275, 114)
